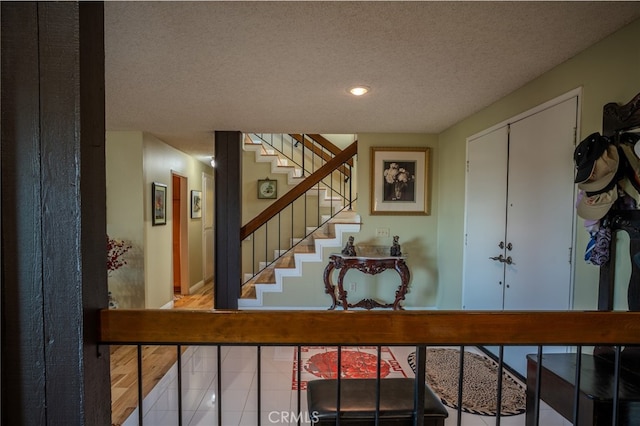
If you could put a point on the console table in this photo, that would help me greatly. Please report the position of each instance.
(369, 265)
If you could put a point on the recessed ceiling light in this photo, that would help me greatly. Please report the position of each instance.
(359, 90)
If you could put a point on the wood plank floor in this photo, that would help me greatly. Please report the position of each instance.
(156, 361)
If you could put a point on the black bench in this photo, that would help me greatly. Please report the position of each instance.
(358, 402)
(557, 384)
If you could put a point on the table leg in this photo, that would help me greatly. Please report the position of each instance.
(329, 287)
(403, 270)
(342, 293)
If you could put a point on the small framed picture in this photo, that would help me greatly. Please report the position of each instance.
(158, 203)
(267, 188)
(196, 204)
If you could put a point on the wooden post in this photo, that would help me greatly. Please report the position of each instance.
(228, 216)
(53, 214)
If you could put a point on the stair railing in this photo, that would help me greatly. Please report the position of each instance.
(323, 148)
(272, 232)
(308, 152)
(282, 144)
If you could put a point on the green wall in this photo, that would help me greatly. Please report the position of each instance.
(125, 210)
(418, 234)
(134, 161)
(418, 238)
(608, 71)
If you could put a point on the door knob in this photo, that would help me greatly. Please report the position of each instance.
(498, 258)
(501, 245)
(509, 261)
(509, 246)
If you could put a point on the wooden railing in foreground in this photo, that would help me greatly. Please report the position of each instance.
(397, 328)
(369, 327)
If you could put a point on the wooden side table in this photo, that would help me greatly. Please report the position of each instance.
(371, 265)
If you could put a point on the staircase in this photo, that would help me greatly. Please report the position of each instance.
(271, 274)
(279, 164)
(271, 279)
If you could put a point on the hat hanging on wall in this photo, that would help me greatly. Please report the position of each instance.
(587, 153)
(595, 207)
(603, 170)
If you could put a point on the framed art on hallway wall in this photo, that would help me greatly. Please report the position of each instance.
(399, 181)
(196, 204)
(159, 203)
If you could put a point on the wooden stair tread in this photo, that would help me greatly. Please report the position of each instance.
(267, 276)
(305, 248)
(286, 261)
(248, 291)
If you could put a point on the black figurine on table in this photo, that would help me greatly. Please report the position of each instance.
(349, 249)
(395, 248)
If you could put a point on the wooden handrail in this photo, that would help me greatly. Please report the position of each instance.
(321, 153)
(288, 198)
(325, 143)
(161, 326)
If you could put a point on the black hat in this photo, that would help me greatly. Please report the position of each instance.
(586, 154)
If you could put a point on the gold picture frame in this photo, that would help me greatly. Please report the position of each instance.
(400, 181)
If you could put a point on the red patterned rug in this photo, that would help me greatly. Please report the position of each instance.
(321, 362)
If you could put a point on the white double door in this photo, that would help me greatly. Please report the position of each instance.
(520, 216)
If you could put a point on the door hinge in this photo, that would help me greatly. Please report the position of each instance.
(467, 166)
(575, 136)
(570, 255)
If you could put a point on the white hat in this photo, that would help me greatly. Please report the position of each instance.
(595, 207)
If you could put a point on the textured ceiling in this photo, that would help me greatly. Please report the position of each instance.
(181, 70)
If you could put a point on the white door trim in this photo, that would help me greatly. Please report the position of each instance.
(577, 92)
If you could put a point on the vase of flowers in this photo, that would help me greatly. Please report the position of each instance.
(397, 180)
(116, 249)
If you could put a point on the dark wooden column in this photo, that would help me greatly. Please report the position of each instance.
(228, 219)
(53, 214)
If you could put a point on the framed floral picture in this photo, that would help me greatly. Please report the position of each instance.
(400, 181)
(196, 204)
(267, 188)
(158, 204)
